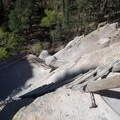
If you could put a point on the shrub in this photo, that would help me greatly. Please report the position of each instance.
(3, 53)
(10, 44)
(46, 45)
(37, 48)
(49, 20)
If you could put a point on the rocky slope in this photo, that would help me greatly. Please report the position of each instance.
(98, 49)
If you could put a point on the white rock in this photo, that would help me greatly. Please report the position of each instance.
(59, 52)
(104, 42)
(69, 45)
(50, 59)
(44, 54)
(78, 38)
(114, 25)
(116, 67)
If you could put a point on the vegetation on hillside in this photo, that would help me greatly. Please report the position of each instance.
(50, 22)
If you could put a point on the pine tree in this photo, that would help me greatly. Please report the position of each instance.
(10, 44)
(20, 17)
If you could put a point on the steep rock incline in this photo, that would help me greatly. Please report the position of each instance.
(91, 56)
(89, 61)
(84, 53)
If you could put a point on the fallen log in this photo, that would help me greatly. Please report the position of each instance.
(103, 84)
(101, 74)
(83, 78)
(69, 85)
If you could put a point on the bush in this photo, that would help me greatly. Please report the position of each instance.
(37, 48)
(49, 19)
(46, 45)
(3, 54)
(10, 44)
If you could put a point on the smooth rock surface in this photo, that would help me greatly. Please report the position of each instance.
(49, 60)
(66, 104)
(43, 55)
(104, 42)
(116, 67)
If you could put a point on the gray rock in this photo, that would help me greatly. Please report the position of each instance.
(43, 55)
(104, 42)
(69, 45)
(116, 67)
(66, 104)
(50, 59)
(78, 87)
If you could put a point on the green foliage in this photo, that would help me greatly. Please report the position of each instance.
(37, 48)
(64, 15)
(56, 34)
(20, 16)
(63, 19)
(49, 20)
(3, 53)
(2, 33)
(14, 22)
(46, 45)
(10, 44)
(52, 16)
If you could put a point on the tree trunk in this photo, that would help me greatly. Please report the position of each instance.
(103, 84)
(102, 9)
(63, 7)
(67, 12)
(104, 6)
(100, 74)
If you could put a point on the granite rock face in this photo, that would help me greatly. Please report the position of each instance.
(82, 54)
(66, 104)
(49, 60)
(104, 42)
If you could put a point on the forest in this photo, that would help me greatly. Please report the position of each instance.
(29, 26)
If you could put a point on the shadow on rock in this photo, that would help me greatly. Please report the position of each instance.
(14, 77)
(12, 108)
(110, 93)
